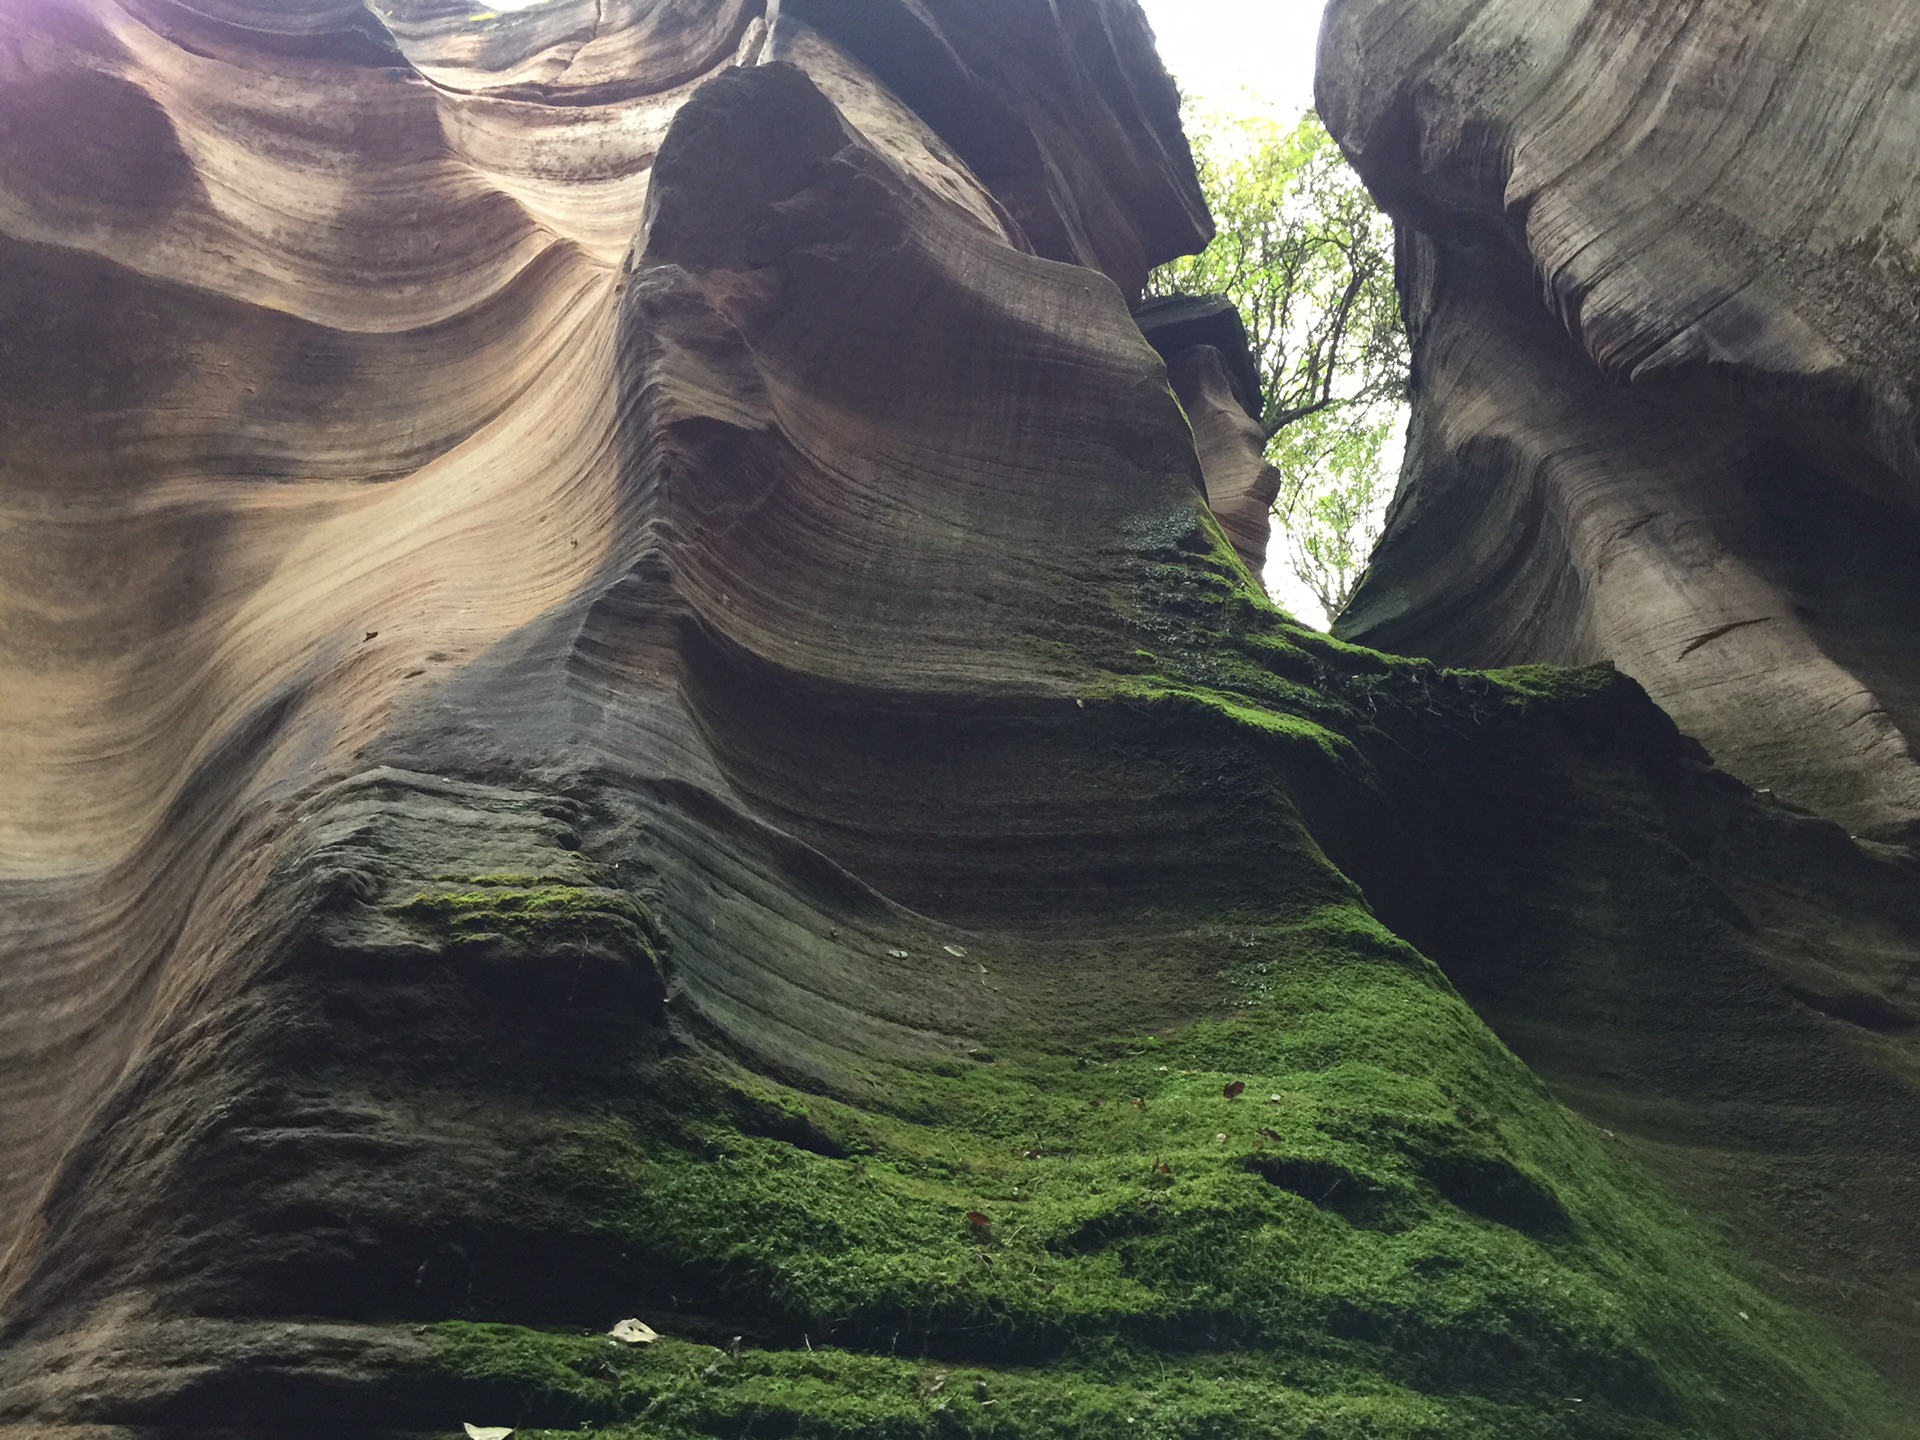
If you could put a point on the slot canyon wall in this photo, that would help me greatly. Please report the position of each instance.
(622, 699)
(1662, 267)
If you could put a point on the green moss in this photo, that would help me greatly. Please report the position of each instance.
(565, 1378)
(529, 912)
(1391, 1230)
(1209, 638)
(1210, 635)
(1550, 682)
(1326, 1203)
(677, 1390)
(1231, 705)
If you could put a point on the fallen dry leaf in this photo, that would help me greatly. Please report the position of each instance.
(978, 1219)
(489, 1432)
(634, 1332)
(956, 951)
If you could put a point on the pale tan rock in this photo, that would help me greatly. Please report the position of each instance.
(1241, 485)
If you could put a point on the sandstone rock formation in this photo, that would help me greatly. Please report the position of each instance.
(1211, 367)
(621, 701)
(1241, 485)
(1662, 268)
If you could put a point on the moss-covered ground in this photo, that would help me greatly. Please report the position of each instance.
(1325, 1203)
(1390, 1231)
(528, 911)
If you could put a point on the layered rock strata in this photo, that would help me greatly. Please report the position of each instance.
(622, 701)
(1659, 263)
(1211, 367)
(1241, 485)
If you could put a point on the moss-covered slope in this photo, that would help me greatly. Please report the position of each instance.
(1326, 1201)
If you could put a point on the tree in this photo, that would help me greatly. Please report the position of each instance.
(1308, 258)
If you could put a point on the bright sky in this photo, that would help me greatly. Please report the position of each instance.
(1218, 49)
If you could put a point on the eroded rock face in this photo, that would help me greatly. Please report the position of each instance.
(620, 702)
(1241, 485)
(278, 308)
(1659, 264)
(1211, 367)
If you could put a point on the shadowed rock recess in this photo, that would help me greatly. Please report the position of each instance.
(731, 777)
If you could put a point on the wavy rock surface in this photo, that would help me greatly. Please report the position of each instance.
(1663, 274)
(1241, 485)
(280, 325)
(620, 700)
(1211, 367)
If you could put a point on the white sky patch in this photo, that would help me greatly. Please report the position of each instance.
(1222, 51)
